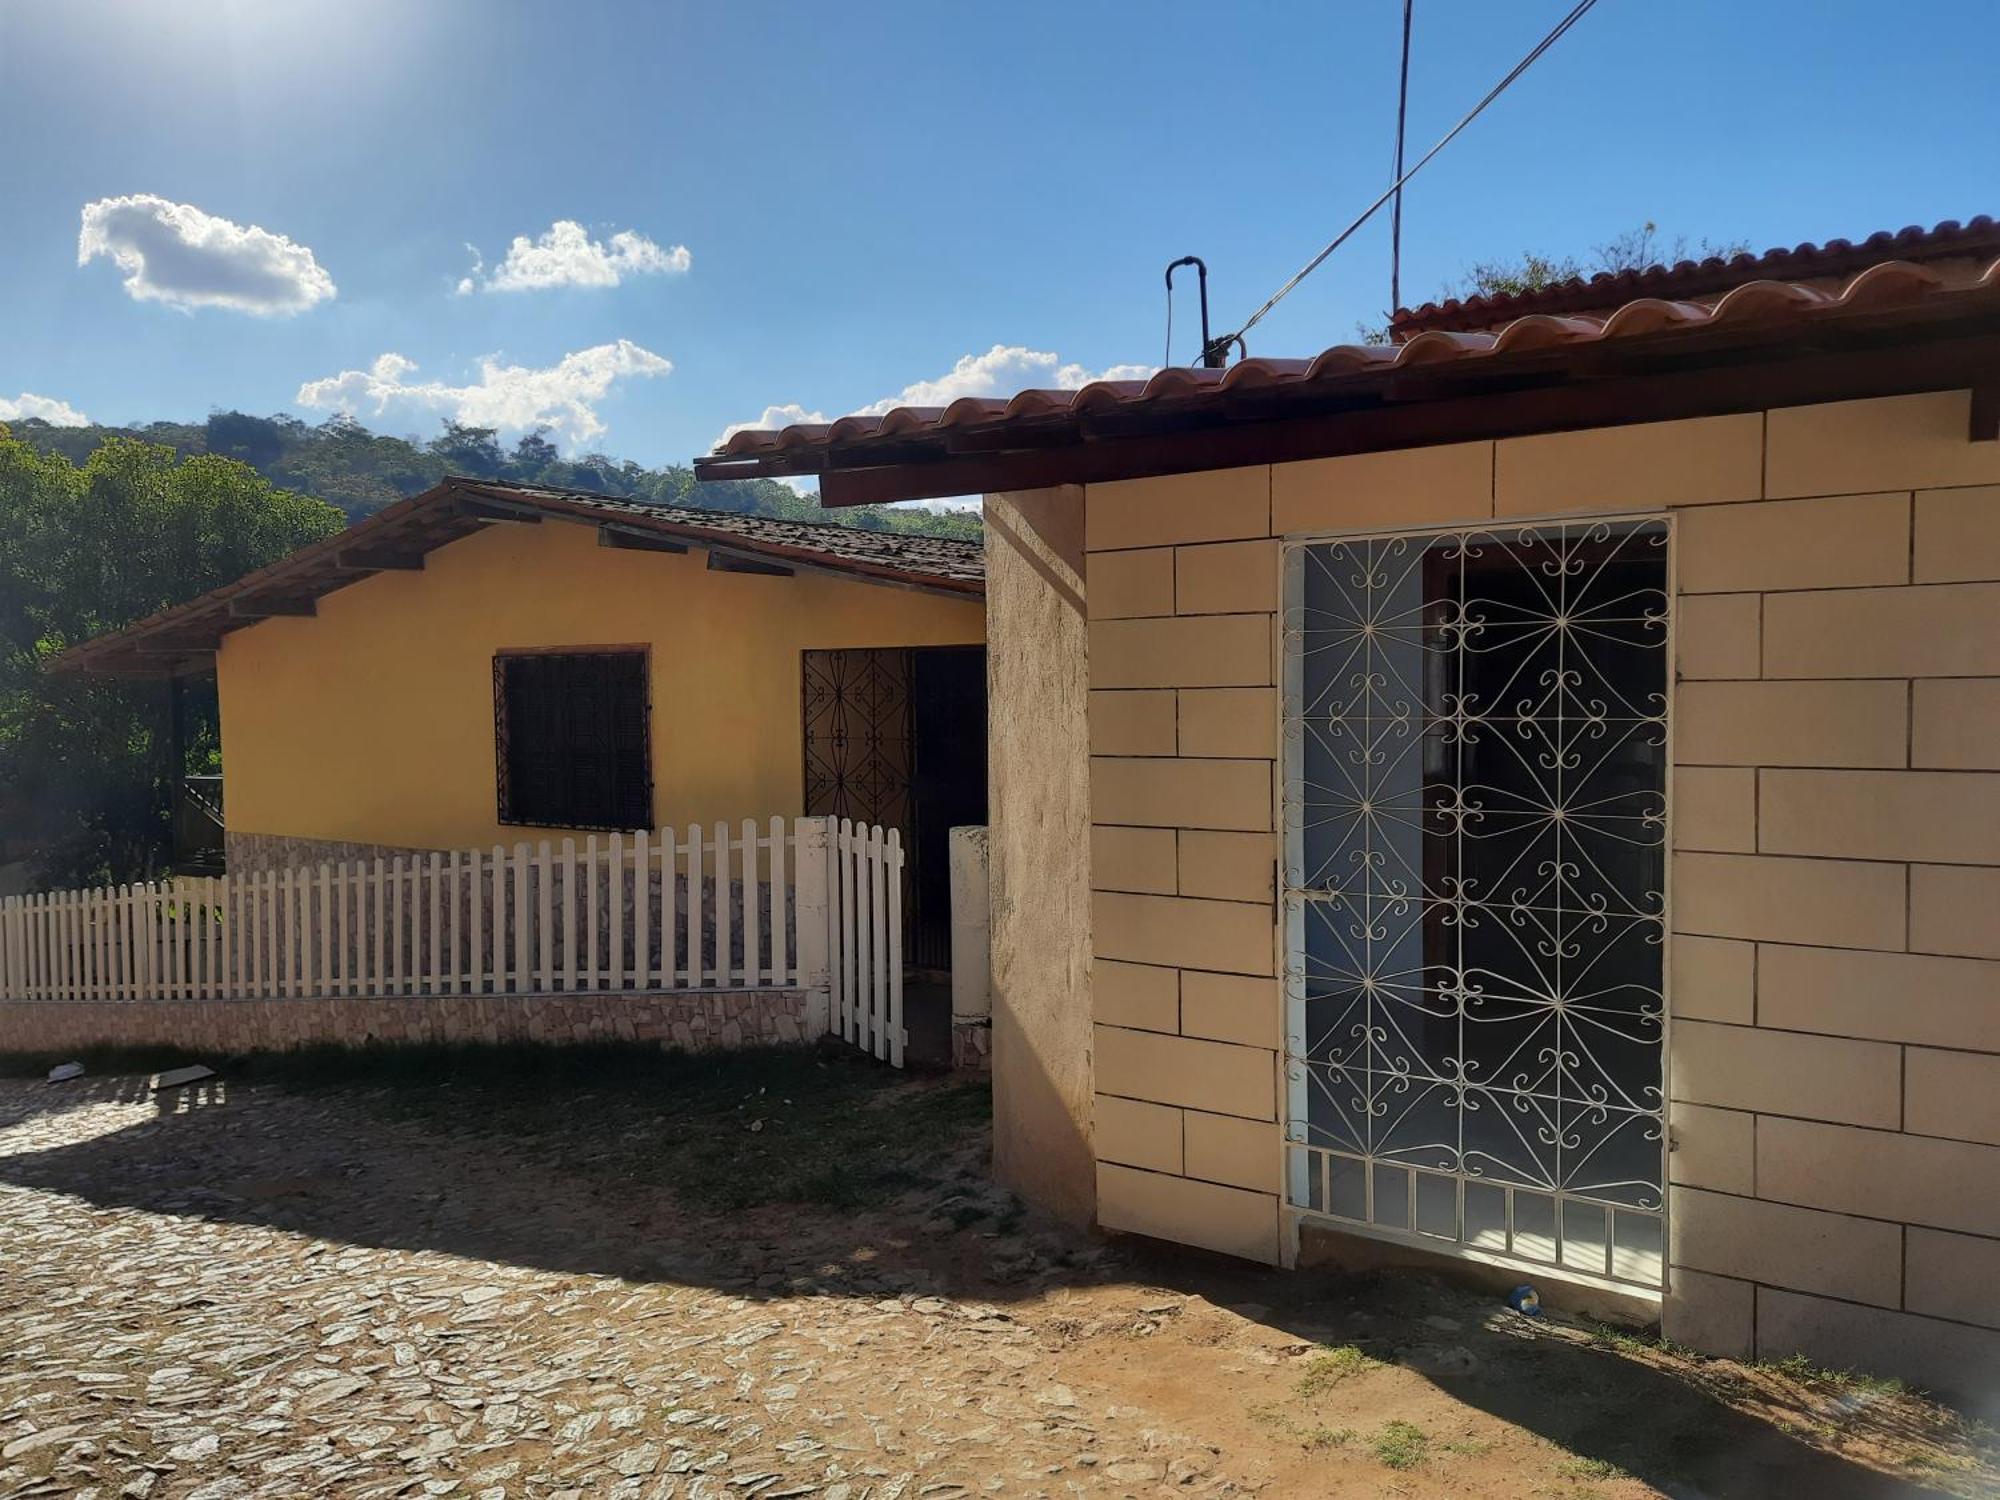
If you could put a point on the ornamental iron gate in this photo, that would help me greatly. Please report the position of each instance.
(1475, 825)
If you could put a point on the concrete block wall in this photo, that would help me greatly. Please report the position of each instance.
(1834, 967)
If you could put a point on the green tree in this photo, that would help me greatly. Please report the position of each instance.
(345, 464)
(86, 766)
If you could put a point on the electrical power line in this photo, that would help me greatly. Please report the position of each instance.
(1577, 13)
(1396, 218)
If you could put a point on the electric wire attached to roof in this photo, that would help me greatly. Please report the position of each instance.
(1576, 13)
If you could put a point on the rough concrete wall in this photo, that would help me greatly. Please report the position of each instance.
(1039, 812)
(693, 1021)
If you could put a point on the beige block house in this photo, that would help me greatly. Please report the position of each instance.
(1526, 797)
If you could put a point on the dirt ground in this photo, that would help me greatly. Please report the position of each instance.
(254, 1288)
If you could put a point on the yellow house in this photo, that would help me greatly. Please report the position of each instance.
(1523, 799)
(481, 664)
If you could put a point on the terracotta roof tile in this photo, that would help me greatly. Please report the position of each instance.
(1688, 278)
(1759, 309)
(459, 506)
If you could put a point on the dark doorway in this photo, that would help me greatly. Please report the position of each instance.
(948, 704)
(897, 736)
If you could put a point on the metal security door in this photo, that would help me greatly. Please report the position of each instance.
(1475, 884)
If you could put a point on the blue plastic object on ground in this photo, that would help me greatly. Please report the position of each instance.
(1526, 1301)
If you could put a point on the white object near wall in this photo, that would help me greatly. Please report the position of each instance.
(971, 934)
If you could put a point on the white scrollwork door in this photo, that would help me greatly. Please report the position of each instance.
(1475, 879)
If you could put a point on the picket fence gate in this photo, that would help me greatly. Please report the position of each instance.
(807, 903)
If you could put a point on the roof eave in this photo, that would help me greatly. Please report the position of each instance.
(186, 636)
(1933, 344)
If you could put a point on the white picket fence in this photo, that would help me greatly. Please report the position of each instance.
(815, 905)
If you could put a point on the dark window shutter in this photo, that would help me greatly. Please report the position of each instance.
(573, 749)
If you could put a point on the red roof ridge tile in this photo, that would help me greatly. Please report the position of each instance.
(1978, 235)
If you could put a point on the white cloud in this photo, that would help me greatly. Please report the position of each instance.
(1000, 371)
(176, 254)
(514, 398)
(55, 413)
(566, 255)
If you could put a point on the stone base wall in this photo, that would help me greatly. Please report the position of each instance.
(972, 1046)
(254, 853)
(694, 1020)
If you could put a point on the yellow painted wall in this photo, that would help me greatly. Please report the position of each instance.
(372, 722)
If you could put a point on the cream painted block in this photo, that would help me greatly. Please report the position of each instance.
(1132, 859)
(1143, 997)
(1800, 1248)
(1210, 1076)
(1367, 491)
(1788, 1073)
(1952, 910)
(1713, 979)
(1132, 723)
(1942, 817)
(1216, 505)
(1825, 901)
(1124, 585)
(1958, 534)
(1136, 1134)
(1916, 1179)
(1718, 635)
(1792, 724)
(1957, 723)
(1229, 722)
(1226, 936)
(1241, 1153)
(1232, 1008)
(1713, 1148)
(1714, 1314)
(1889, 997)
(1181, 793)
(1226, 578)
(1955, 1094)
(1839, 541)
(1205, 1214)
(1945, 1357)
(1229, 866)
(1194, 651)
(1953, 1276)
(1715, 807)
(1642, 467)
(1883, 443)
(1929, 630)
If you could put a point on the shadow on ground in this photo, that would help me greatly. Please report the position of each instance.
(809, 1174)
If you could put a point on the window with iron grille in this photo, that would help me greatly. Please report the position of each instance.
(570, 731)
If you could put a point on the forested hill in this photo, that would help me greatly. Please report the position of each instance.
(343, 463)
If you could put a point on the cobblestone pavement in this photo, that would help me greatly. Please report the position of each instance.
(250, 1292)
(243, 1291)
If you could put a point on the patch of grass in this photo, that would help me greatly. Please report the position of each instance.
(1402, 1445)
(1798, 1367)
(722, 1130)
(1317, 1439)
(1331, 1365)
(1589, 1468)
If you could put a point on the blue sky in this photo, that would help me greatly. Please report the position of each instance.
(869, 195)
